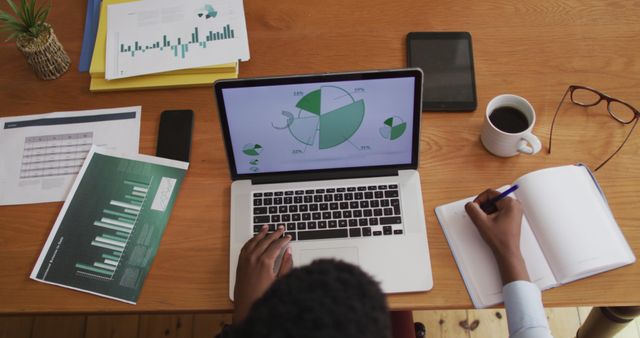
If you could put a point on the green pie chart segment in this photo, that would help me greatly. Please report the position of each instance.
(337, 126)
(393, 128)
(252, 149)
(328, 117)
(311, 102)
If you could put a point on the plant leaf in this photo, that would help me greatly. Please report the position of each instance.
(13, 6)
(23, 9)
(29, 18)
(6, 17)
(39, 18)
(46, 12)
(42, 14)
(11, 36)
(29, 14)
(14, 26)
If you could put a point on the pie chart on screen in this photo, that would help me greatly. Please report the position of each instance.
(327, 117)
(252, 149)
(393, 128)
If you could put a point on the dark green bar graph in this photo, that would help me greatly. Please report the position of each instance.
(113, 229)
(107, 238)
(181, 47)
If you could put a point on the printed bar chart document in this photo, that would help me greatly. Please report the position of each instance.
(109, 229)
(146, 37)
(41, 154)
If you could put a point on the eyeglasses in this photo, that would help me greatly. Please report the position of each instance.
(588, 97)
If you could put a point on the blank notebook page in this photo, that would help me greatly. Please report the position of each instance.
(572, 223)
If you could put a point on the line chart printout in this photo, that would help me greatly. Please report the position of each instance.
(146, 37)
(42, 154)
(109, 229)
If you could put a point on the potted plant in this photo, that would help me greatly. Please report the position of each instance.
(35, 38)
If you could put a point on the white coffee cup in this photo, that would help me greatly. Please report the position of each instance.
(503, 143)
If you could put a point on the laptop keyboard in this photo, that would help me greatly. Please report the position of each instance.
(337, 212)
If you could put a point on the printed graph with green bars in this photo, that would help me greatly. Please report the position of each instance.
(117, 222)
(179, 47)
(111, 230)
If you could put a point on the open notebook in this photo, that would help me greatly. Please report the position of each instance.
(568, 233)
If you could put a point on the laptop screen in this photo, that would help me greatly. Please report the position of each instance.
(319, 125)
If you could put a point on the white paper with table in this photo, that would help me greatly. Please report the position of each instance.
(42, 154)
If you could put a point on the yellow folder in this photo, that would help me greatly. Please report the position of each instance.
(158, 81)
(97, 68)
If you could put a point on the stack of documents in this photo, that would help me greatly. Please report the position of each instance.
(42, 154)
(151, 44)
(117, 202)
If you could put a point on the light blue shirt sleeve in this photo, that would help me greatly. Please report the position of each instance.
(525, 313)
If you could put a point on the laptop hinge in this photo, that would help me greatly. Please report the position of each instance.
(305, 177)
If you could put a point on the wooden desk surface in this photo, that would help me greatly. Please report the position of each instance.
(530, 48)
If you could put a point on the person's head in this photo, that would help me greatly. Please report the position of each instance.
(325, 299)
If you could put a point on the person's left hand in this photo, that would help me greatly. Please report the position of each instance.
(255, 274)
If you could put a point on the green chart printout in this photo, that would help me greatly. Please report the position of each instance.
(109, 229)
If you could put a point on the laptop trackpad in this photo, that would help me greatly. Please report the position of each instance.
(348, 254)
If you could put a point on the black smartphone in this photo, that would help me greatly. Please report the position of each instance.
(446, 59)
(174, 134)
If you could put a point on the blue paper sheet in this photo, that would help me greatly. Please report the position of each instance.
(89, 37)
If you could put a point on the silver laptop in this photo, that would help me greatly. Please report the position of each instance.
(332, 158)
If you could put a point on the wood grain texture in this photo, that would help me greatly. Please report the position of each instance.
(491, 323)
(207, 325)
(16, 326)
(112, 326)
(531, 48)
(443, 324)
(67, 326)
(563, 322)
(166, 326)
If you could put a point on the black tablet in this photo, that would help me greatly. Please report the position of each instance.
(446, 59)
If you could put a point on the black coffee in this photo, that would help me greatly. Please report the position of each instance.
(509, 119)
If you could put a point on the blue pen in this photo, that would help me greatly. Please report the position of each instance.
(489, 207)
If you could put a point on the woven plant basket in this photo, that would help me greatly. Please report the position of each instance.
(45, 54)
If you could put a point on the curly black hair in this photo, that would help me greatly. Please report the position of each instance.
(326, 299)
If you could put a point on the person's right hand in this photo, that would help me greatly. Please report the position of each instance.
(501, 231)
(255, 272)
